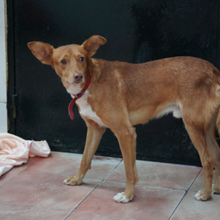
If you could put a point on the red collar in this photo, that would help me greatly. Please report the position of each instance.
(77, 96)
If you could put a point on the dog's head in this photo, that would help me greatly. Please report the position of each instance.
(71, 62)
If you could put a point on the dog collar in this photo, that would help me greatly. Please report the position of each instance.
(77, 96)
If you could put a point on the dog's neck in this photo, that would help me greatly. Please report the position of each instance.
(96, 69)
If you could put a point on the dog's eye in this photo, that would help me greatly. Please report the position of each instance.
(63, 61)
(81, 59)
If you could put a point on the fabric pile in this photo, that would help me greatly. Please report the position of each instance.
(15, 151)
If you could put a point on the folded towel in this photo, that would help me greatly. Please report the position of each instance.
(15, 151)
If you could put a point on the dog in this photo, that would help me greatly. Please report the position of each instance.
(118, 95)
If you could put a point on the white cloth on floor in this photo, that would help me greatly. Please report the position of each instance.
(15, 151)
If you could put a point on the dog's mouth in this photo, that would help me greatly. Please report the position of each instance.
(77, 81)
(74, 89)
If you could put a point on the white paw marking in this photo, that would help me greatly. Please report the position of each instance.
(198, 195)
(72, 181)
(120, 197)
(66, 182)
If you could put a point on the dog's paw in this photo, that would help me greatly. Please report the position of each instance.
(120, 197)
(200, 196)
(72, 181)
(215, 189)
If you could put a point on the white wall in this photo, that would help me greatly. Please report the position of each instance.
(3, 81)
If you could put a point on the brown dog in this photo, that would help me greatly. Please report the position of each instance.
(122, 95)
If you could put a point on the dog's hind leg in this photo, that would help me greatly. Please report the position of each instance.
(94, 134)
(197, 133)
(215, 152)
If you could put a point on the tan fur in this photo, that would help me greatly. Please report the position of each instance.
(123, 95)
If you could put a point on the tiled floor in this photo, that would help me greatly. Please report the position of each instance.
(164, 191)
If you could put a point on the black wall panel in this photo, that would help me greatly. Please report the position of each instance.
(136, 31)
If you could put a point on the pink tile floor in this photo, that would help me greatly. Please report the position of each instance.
(164, 191)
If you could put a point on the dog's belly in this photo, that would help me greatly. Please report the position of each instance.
(86, 110)
(143, 115)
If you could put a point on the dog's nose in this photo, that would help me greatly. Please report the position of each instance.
(78, 77)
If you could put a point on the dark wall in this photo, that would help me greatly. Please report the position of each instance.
(136, 31)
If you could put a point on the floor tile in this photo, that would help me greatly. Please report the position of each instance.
(88, 216)
(44, 190)
(148, 203)
(16, 170)
(159, 174)
(67, 164)
(192, 209)
(19, 212)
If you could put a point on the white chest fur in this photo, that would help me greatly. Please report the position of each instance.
(86, 110)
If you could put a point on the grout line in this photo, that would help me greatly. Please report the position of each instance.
(112, 170)
(81, 201)
(91, 191)
(177, 206)
(185, 195)
(194, 180)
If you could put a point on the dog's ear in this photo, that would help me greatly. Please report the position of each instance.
(42, 51)
(93, 43)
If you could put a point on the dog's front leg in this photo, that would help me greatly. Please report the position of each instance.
(127, 142)
(94, 134)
